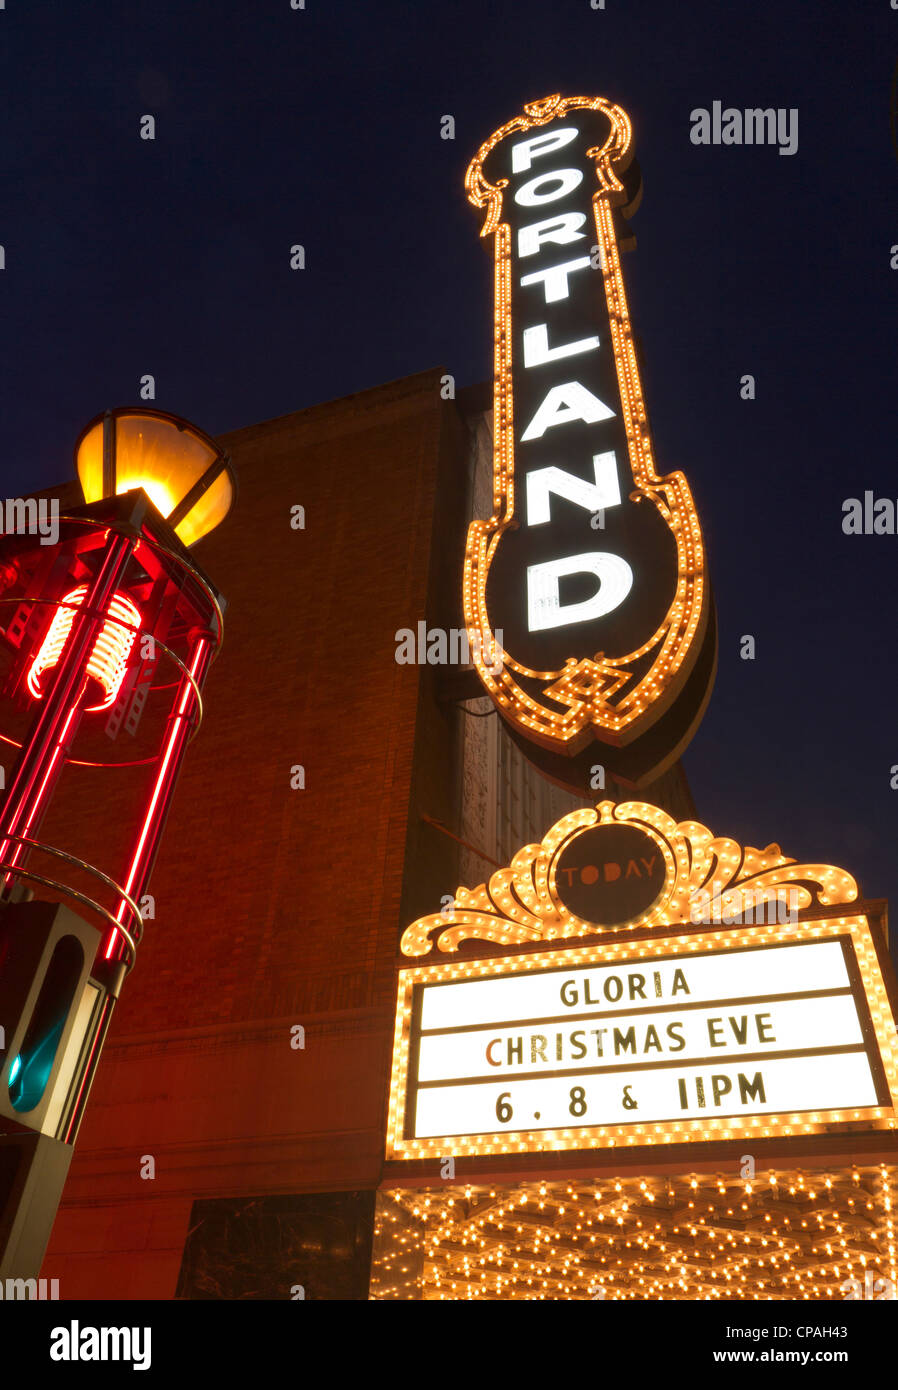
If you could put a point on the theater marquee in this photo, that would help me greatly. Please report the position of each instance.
(663, 1032)
(592, 564)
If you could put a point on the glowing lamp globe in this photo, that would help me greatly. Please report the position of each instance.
(182, 470)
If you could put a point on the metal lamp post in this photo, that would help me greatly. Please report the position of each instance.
(90, 620)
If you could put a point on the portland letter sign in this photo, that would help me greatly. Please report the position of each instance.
(592, 564)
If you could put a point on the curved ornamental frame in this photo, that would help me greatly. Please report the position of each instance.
(611, 696)
(707, 880)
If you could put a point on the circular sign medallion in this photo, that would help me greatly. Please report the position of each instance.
(610, 874)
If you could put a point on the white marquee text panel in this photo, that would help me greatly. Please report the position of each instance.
(729, 974)
(784, 1026)
(793, 1085)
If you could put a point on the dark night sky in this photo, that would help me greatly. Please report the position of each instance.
(322, 126)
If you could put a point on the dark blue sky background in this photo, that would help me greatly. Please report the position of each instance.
(322, 127)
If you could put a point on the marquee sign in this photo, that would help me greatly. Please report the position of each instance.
(592, 564)
(741, 1020)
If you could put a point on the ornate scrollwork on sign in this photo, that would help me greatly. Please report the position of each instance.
(629, 865)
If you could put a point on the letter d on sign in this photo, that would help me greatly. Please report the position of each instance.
(544, 606)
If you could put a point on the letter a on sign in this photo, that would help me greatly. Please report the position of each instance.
(616, 644)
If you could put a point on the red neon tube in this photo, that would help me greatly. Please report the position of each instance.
(172, 754)
(44, 751)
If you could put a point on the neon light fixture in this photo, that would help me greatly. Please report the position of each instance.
(153, 483)
(70, 617)
(108, 661)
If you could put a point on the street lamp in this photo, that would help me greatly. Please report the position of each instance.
(93, 618)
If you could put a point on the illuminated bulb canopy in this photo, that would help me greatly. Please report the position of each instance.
(182, 470)
(112, 647)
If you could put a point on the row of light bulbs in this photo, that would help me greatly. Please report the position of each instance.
(792, 1235)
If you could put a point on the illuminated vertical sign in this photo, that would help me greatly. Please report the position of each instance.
(592, 564)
